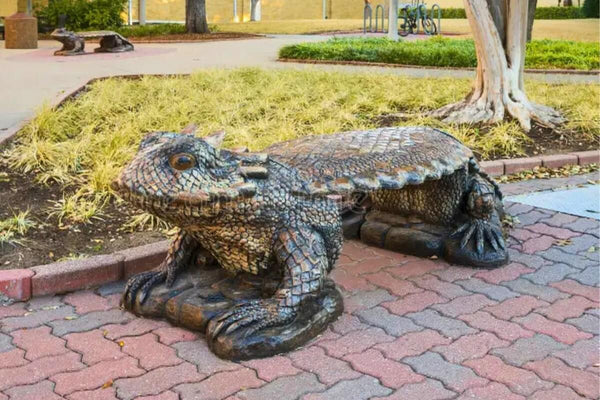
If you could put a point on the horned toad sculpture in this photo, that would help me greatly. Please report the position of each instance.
(74, 43)
(275, 221)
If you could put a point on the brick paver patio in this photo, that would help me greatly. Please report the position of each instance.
(412, 329)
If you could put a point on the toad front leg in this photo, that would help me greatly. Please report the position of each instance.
(178, 257)
(302, 255)
(481, 240)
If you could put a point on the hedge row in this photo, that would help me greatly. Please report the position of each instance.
(443, 52)
(540, 13)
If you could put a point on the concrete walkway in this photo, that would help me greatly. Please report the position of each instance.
(29, 78)
(413, 329)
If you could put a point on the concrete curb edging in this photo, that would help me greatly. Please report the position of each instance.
(67, 276)
(514, 165)
(391, 65)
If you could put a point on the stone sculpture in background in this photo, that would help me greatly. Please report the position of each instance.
(74, 43)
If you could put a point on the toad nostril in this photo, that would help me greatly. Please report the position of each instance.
(116, 185)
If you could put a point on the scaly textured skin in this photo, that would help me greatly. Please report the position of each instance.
(251, 213)
(412, 171)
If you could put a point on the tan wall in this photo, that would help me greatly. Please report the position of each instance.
(352, 9)
(222, 10)
(8, 7)
(291, 9)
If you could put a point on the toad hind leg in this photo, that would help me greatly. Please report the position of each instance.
(302, 255)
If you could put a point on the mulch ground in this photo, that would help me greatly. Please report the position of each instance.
(411, 329)
(51, 241)
(183, 37)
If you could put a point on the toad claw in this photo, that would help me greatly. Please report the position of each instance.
(481, 231)
(141, 283)
(252, 316)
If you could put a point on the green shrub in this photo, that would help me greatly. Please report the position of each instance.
(444, 52)
(558, 13)
(591, 9)
(540, 12)
(151, 30)
(82, 14)
(454, 13)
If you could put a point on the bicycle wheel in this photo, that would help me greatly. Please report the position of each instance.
(405, 26)
(429, 26)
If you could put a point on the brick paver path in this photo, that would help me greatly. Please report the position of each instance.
(412, 329)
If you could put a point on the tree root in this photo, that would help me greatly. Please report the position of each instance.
(480, 111)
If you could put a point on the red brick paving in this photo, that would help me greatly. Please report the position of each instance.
(150, 353)
(575, 288)
(148, 359)
(94, 346)
(470, 346)
(508, 273)
(271, 368)
(38, 342)
(503, 329)
(414, 302)
(391, 373)
(515, 307)
(412, 344)
(518, 380)
(329, 369)
(553, 369)
(572, 307)
(96, 376)
(493, 391)
(564, 333)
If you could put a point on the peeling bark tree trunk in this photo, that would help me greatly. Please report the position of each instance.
(255, 10)
(530, 17)
(195, 16)
(498, 89)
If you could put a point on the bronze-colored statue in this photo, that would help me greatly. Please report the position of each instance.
(274, 221)
(74, 43)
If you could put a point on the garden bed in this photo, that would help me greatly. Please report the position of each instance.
(46, 238)
(179, 37)
(60, 165)
(443, 52)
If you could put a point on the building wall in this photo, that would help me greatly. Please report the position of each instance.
(8, 7)
(222, 10)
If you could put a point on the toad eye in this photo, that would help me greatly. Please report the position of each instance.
(182, 161)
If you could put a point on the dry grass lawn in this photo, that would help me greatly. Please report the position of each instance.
(574, 29)
(83, 145)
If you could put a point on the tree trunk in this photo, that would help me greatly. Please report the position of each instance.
(530, 17)
(255, 10)
(498, 88)
(195, 16)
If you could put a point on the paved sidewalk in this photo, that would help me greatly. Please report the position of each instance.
(31, 77)
(413, 329)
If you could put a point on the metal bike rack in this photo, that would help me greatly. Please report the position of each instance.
(368, 13)
(379, 7)
(438, 9)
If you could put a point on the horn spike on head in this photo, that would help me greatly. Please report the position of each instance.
(215, 139)
(190, 129)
